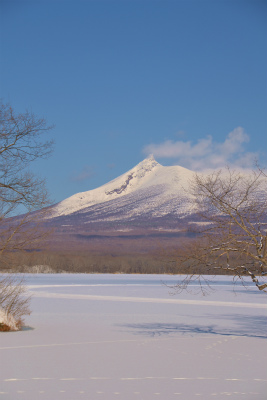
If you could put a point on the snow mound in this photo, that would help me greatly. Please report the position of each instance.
(8, 321)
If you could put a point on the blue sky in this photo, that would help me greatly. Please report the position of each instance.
(119, 79)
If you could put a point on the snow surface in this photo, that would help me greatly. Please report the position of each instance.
(126, 337)
(164, 183)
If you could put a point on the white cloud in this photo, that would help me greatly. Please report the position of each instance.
(207, 153)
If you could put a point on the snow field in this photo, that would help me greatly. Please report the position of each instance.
(117, 337)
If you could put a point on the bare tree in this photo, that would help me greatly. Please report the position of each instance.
(20, 144)
(21, 191)
(232, 207)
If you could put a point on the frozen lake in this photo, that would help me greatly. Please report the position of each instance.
(125, 337)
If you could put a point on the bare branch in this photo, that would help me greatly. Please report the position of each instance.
(235, 241)
(21, 144)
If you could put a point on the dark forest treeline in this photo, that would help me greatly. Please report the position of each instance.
(88, 262)
(58, 262)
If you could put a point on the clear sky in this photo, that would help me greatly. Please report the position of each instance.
(120, 79)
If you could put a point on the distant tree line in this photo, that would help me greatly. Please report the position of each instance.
(87, 262)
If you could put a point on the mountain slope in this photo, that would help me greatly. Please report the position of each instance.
(147, 190)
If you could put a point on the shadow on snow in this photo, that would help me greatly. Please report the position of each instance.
(247, 326)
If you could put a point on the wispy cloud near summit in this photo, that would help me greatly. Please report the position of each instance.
(86, 173)
(206, 153)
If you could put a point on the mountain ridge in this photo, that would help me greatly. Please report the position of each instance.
(146, 179)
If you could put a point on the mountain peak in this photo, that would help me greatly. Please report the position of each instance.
(148, 163)
(150, 158)
(148, 179)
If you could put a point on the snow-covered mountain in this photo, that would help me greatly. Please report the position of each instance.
(149, 190)
(144, 211)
